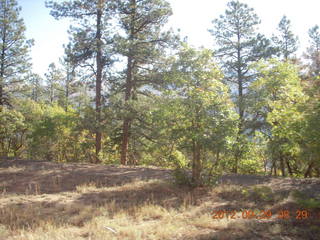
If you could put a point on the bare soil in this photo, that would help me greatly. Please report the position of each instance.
(44, 177)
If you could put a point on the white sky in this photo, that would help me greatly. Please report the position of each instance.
(193, 17)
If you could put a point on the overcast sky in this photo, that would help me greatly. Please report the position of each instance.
(193, 17)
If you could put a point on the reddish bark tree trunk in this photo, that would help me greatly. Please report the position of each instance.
(98, 83)
(289, 168)
(196, 164)
(128, 90)
(309, 170)
(282, 166)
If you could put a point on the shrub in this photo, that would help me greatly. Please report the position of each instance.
(12, 132)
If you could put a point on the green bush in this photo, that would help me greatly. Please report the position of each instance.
(12, 132)
(178, 159)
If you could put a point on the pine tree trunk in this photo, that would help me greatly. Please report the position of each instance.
(98, 82)
(126, 122)
(125, 141)
(1, 93)
(51, 92)
(196, 164)
(274, 168)
(240, 104)
(282, 166)
(128, 89)
(67, 89)
(2, 69)
(289, 168)
(309, 170)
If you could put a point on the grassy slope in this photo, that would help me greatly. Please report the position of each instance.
(40, 200)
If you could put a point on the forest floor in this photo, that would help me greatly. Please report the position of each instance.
(55, 201)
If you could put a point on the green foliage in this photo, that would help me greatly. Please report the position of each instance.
(14, 51)
(280, 103)
(238, 47)
(35, 89)
(253, 156)
(196, 110)
(310, 149)
(313, 52)
(12, 132)
(54, 78)
(143, 41)
(169, 105)
(51, 133)
(285, 41)
(200, 104)
(178, 159)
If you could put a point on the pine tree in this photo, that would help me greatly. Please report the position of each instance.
(239, 45)
(90, 43)
(313, 51)
(198, 110)
(142, 43)
(54, 77)
(286, 42)
(36, 88)
(14, 49)
(69, 83)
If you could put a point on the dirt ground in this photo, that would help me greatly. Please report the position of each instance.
(33, 192)
(23, 177)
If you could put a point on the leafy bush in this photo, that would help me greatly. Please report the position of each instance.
(12, 132)
(178, 159)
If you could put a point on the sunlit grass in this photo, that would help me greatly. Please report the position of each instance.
(153, 209)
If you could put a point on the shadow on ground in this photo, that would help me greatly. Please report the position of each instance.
(36, 177)
(53, 196)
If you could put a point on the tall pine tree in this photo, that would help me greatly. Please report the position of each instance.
(285, 41)
(239, 45)
(54, 77)
(14, 49)
(90, 41)
(36, 87)
(313, 52)
(142, 44)
(69, 83)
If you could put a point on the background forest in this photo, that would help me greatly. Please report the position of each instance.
(131, 91)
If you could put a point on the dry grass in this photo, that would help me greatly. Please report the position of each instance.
(139, 216)
(13, 169)
(149, 209)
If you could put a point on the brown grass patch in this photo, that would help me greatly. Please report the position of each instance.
(134, 205)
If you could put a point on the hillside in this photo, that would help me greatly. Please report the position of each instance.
(44, 200)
